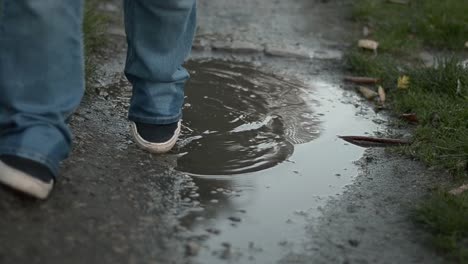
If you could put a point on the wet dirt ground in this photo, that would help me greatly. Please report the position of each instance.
(259, 175)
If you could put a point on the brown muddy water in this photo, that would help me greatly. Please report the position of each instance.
(263, 155)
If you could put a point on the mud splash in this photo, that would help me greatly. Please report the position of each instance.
(238, 119)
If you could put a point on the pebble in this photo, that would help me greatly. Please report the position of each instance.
(235, 219)
(192, 249)
(213, 231)
(214, 201)
(301, 212)
(353, 242)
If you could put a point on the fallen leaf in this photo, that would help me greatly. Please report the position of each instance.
(459, 190)
(361, 80)
(369, 94)
(403, 82)
(382, 95)
(368, 142)
(466, 44)
(411, 117)
(368, 44)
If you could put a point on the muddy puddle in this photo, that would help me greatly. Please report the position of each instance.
(238, 120)
(263, 154)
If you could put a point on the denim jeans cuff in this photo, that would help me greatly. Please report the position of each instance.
(156, 120)
(27, 154)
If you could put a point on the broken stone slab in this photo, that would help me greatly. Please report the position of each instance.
(287, 52)
(237, 46)
(327, 55)
(245, 47)
(221, 45)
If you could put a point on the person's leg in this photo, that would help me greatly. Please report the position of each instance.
(41, 83)
(159, 35)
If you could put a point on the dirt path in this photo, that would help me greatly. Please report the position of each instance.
(287, 203)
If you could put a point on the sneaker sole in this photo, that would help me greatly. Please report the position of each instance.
(24, 183)
(156, 148)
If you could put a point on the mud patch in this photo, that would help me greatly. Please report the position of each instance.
(238, 119)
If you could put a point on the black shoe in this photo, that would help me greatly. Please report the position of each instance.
(27, 176)
(156, 138)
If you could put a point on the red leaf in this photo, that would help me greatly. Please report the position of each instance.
(368, 142)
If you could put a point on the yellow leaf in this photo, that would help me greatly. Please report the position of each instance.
(403, 82)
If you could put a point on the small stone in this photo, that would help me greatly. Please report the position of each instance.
(213, 192)
(251, 245)
(353, 242)
(214, 201)
(213, 231)
(235, 219)
(301, 212)
(226, 244)
(192, 249)
(338, 175)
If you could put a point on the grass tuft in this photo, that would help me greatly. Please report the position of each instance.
(445, 216)
(93, 32)
(437, 95)
(433, 23)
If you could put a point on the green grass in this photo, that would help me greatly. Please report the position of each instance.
(445, 216)
(441, 138)
(441, 24)
(437, 95)
(93, 29)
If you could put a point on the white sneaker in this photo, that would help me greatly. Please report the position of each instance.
(25, 182)
(163, 141)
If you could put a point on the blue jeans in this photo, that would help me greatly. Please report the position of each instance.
(42, 73)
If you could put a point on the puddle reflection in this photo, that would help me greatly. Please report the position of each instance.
(241, 120)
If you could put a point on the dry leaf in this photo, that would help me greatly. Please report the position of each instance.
(411, 117)
(368, 44)
(369, 94)
(466, 44)
(459, 190)
(403, 82)
(361, 80)
(368, 142)
(382, 95)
